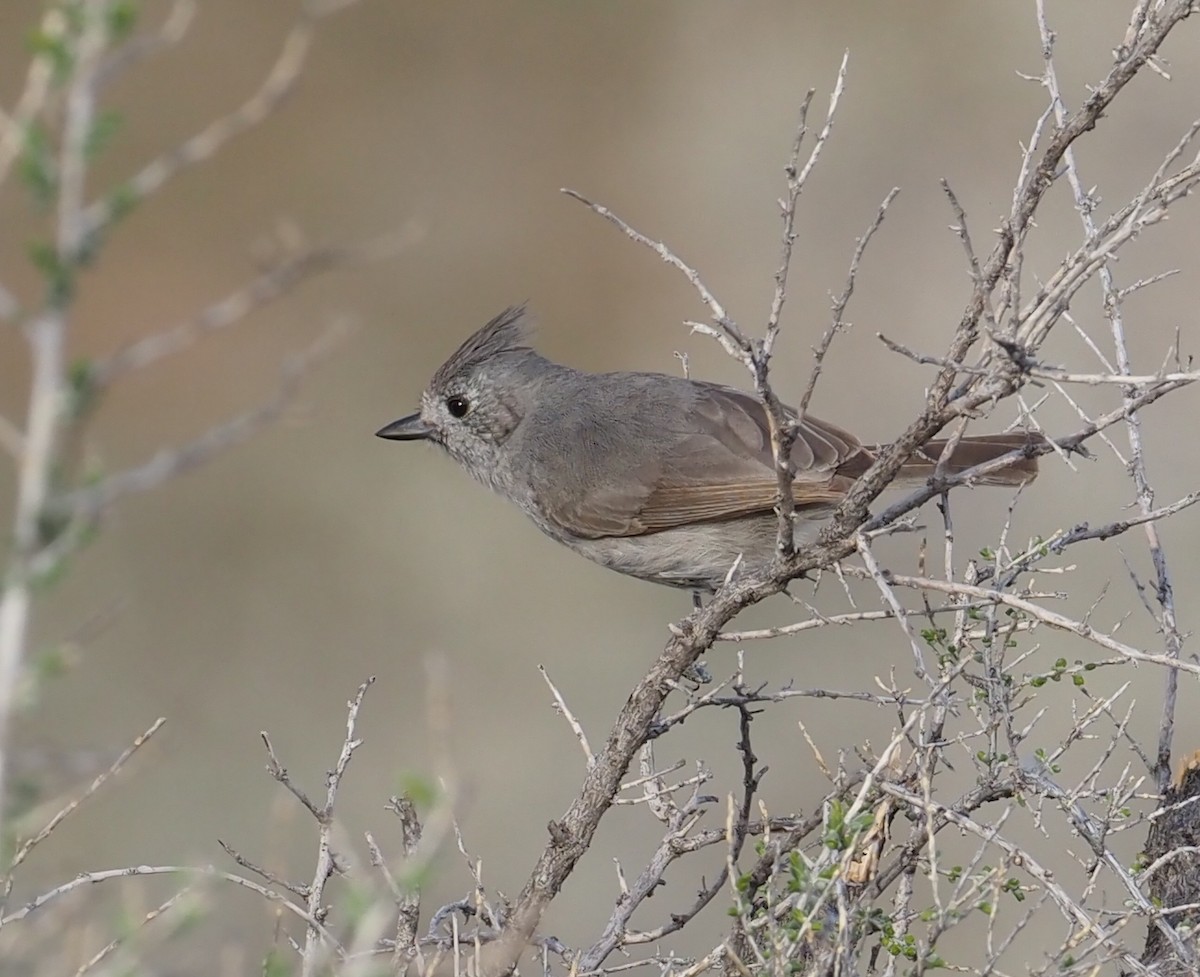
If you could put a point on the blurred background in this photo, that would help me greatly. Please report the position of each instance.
(257, 593)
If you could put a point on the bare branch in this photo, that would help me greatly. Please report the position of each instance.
(191, 872)
(840, 303)
(171, 462)
(110, 948)
(278, 84)
(327, 861)
(14, 126)
(73, 805)
(560, 705)
(273, 283)
(740, 347)
(144, 46)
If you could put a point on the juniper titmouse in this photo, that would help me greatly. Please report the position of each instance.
(661, 477)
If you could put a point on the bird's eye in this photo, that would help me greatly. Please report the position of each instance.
(457, 406)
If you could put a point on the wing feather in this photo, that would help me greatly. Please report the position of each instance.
(718, 465)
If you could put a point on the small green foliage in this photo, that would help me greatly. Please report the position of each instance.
(905, 946)
(104, 127)
(1043, 756)
(52, 522)
(356, 901)
(8, 838)
(36, 167)
(875, 920)
(841, 833)
(126, 923)
(74, 11)
(947, 654)
(59, 274)
(121, 200)
(52, 663)
(50, 576)
(187, 916)
(419, 789)
(415, 877)
(799, 876)
(81, 388)
(1013, 887)
(1060, 669)
(23, 794)
(276, 964)
(55, 48)
(121, 17)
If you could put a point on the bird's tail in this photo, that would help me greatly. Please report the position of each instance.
(973, 451)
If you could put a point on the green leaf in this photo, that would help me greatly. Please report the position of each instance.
(104, 127)
(421, 790)
(53, 663)
(121, 200)
(36, 167)
(356, 902)
(81, 385)
(59, 275)
(121, 16)
(276, 964)
(55, 49)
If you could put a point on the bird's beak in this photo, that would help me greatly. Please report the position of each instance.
(410, 428)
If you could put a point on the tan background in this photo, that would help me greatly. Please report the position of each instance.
(257, 593)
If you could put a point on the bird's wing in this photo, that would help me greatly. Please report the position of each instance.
(718, 466)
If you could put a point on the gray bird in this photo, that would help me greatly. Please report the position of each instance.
(661, 477)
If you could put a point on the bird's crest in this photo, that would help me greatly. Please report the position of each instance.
(506, 333)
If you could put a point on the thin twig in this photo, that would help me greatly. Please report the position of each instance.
(734, 341)
(73, 805)
(327, 861)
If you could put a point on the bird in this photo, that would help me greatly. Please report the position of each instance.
(663, 478)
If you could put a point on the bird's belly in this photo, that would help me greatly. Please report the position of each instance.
(699, 556)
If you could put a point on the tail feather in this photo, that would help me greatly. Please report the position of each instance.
(973, 451)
